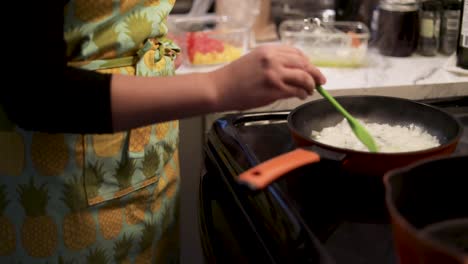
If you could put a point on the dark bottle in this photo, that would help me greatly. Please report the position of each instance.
(356, 10)
(449, 27)
(398, 27)
(462, 47)
(429, 29)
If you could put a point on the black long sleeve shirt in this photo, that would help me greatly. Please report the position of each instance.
(40, 92)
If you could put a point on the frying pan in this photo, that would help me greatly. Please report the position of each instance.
(319, 114)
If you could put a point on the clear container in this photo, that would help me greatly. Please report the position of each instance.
(328, 44)
(209, 40)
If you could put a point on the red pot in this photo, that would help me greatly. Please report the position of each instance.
(428, 207)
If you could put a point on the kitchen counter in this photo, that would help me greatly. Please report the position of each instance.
(415, 77)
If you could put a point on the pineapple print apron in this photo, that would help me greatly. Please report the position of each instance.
(106, 198)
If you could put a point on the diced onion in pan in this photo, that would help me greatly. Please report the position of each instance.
(388, 138)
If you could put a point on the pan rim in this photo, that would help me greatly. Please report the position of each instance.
(451, 141)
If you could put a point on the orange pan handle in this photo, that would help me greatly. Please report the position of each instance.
(267, 172)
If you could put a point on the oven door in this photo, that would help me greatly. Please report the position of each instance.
(226, 234)
(240, 226)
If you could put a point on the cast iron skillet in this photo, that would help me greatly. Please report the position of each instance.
(319, 114)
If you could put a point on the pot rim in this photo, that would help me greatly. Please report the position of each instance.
(396, 216)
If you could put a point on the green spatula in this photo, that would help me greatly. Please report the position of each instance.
(359, 130)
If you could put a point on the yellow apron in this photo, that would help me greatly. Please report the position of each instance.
(102, 198)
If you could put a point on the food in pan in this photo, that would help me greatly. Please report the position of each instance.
(389, 138)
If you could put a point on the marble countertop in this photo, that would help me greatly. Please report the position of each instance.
(414, 77)
(382, 71)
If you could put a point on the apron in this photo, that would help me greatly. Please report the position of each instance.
(97, 198)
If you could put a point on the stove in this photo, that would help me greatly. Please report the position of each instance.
(314, 214)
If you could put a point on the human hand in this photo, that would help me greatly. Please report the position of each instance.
(266, 74)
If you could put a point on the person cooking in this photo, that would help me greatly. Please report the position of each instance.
(89, 165)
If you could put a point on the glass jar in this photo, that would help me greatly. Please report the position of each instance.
(398, 27)
(429, 30)
(449, 26)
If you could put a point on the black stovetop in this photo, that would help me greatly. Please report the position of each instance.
(261, 136)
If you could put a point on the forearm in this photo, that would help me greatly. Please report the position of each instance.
(263, 76)
(89, 102)
(136, 100)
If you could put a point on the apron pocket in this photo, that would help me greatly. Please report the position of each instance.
(122, 163)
